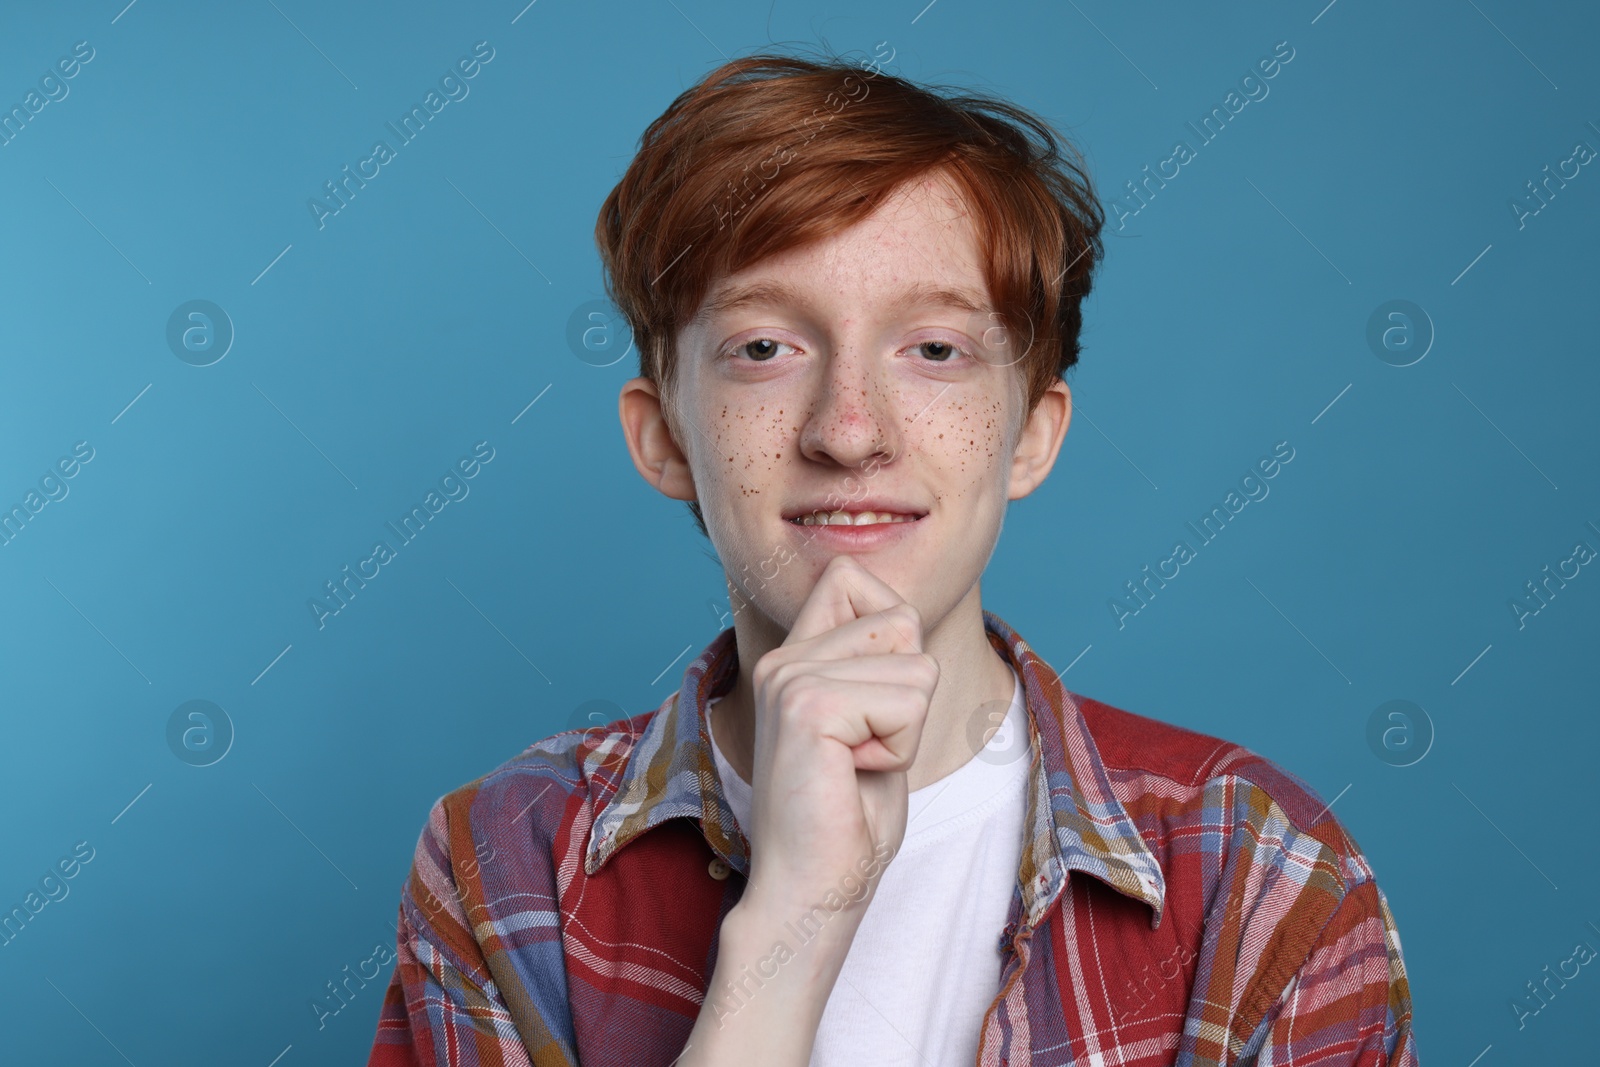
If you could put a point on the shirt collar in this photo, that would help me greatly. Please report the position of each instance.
(1075, 821)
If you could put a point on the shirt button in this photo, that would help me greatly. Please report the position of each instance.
(718, 870)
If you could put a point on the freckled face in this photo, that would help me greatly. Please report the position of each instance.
(840, 390)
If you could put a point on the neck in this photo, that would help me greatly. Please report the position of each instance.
(972, 679)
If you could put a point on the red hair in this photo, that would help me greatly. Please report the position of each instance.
(771, 152)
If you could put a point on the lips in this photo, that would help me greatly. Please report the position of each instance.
(853, 519)
(877, 505)
(853, 538)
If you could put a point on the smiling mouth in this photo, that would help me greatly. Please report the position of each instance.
(852, 518)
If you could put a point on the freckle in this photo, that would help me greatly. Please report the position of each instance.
(872, 636)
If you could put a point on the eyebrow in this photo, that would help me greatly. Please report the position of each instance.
(774, 294)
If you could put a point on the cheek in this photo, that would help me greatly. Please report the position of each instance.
(743, 449)
(972, 443)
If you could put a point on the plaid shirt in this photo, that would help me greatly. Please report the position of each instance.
(564, 908)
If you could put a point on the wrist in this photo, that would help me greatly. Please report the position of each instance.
(813, 938)
(778, 901)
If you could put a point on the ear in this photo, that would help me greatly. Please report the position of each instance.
(1040, 441)
(655, 453)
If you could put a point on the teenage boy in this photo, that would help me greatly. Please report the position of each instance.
(872, 826)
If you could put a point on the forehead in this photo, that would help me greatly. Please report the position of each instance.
(917, 250)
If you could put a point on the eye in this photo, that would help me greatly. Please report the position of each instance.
(759, 349)
(944, 351)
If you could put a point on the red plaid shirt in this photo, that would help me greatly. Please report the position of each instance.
(1180, 901)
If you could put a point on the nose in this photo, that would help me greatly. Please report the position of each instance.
(853, 418)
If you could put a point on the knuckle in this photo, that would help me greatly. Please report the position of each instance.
(780, 675)
(908, 616)
(765, 668)
(914, 702)
(797, 699)
(792, 687)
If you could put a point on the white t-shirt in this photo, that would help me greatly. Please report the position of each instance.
(924, 966)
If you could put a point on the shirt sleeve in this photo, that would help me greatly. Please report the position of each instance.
(442, 1007)
(1349, 1004)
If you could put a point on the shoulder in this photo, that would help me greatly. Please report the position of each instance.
(541, 799)
(1165, 774)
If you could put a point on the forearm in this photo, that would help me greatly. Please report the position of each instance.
(769, 988)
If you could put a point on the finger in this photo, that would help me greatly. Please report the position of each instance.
(845, 591)
(897, 629)
(881, 722)
(898, 668)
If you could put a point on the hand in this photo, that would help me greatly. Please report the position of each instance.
(840, 708)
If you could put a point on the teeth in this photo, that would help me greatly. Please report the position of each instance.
(845, 518)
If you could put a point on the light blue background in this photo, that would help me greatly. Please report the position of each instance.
(429, 313)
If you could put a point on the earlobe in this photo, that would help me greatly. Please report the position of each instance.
(1041, 439)
(651, 446)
